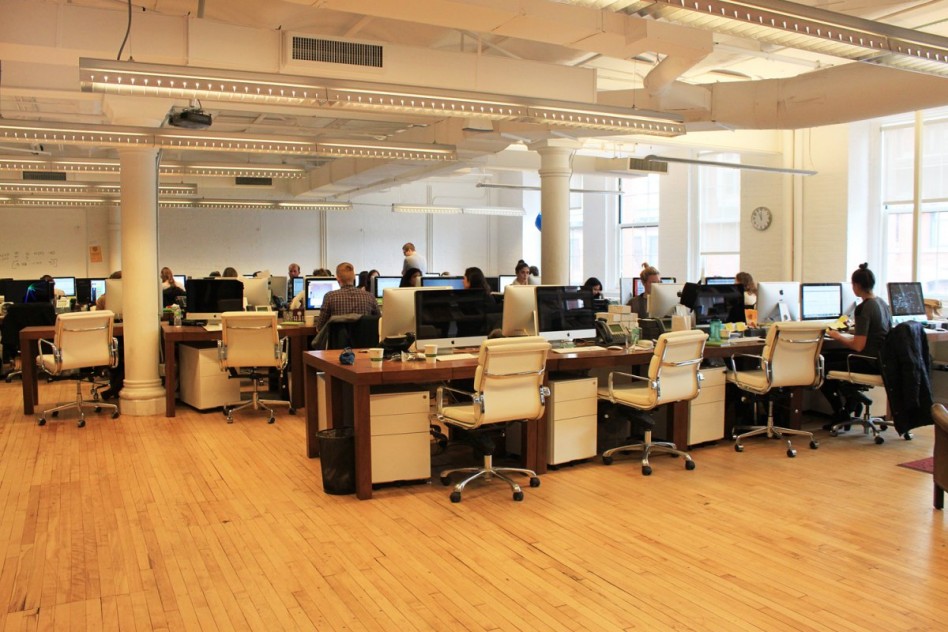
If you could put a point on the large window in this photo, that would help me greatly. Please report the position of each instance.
(719, 208)
(638, 224)
(575, 246)
(898, 220)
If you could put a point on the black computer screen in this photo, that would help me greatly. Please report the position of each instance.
(88, 290)
(719, 280)
(710, 302)
(565, 311)
(820, 300)
(906, 299)
(451, 314)
(213, 296)
(455, 282)
(16, 290)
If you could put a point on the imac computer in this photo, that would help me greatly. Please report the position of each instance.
(625, 290)
(67, 285)
(714, 302)
(16, 290)
(294, 288)
(113, 297)
(820, 301)
(207, 299)
(718, 280)
(906, 302)
(454, 282)
(520, 311)
(850, 300)
(398, 311)
(180, 280)
(88, 290)
(663, 299)
(257, 291)
(778, 301)
(384, 282)
(504, 280)
(494, 283)
(316, 290)
(565, 313)
(452, 318)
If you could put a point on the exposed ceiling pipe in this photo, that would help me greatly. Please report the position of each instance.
(731, 165)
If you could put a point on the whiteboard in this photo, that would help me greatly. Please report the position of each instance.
(35, 241)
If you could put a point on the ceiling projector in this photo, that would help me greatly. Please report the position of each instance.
(191, 118)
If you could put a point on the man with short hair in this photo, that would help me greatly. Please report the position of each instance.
(293, 271)
(413, 259)
(348, 299)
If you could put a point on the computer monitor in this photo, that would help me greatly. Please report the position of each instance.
(207, 299)
(67, 285)
(398, 311)
(520, 311)
(294, 288)
(504, 280)
(718, 280)
(452, 317)
(565, 312)
(15, 290)
(778, 301)
(316, 290)
(819, 301)
(663, 299)
(625, 290)
(277, 285)
(906, 301)
(257, 291)
(384, 282)
(850, 300)
(714, 302)
(180, 280)
(113, 297)
(637, 286)
(84, 291)
(455, 282)
(494, 283)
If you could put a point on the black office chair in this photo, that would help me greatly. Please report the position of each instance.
(358, 331)
(20, 315)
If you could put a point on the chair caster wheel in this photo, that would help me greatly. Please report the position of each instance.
(230, 420)
(834, 433)
(115, 415)
(41, 421)
(225, 411)
(738, 447)
(445, 480)
(534, 481)
(455, 497)
(646, 470)
(517, 496)
(82, 423)
(814, 445)
(607, 460)
(292, 411)
(883, 427)
(97, 409)
(689, 465)
(271, 420)
(791, 453)
(907, 436)
(879, 440)
(54, 414)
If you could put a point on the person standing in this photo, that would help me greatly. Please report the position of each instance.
(348, 299)
(413, 259)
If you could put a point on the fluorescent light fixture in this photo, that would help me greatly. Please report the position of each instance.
(426, 101)
(98, 136)
(504, 211)
(609, 119)
(732, 165)
(94, 165)
(62, 201)
(215, 142)
(43, 187)
(163, 189)
(421, 208)
(385, 150)
(315, 206)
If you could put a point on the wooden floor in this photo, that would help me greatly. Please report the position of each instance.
(193, 524)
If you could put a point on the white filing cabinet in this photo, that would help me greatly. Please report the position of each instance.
(401, 444)
(201, 382)
(706, 412)
(571, 414)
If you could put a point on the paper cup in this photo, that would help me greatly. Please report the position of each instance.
(431, 352)
(376, 355)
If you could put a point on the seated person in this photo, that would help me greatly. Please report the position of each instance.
(649, 275)
(348, 299)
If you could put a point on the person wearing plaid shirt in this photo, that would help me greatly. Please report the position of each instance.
(348, 299)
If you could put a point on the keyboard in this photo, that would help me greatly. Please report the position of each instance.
(212, 327)
(579, 349)
(456, 356)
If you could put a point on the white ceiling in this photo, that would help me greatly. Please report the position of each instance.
(710, 77)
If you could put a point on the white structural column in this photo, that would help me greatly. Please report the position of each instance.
(115, 239)
(142, 393)
(555, 171)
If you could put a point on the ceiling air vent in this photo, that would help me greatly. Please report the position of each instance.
(254, 182)
(313, 49)
(57, 176)
(647, 166)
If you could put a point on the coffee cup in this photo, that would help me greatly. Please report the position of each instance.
(376, 354)
(431, 352)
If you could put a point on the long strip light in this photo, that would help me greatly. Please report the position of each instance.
(119, 77)
(503, 211)
(22, 186)
(67, 202)
(384, 150)
(104, 166)
(732, 165)
(423, 208)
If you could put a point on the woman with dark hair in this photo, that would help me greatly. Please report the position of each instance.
(411, 278)
(363, 283)
(230, 273)
(745, 280)
(474, 279)
(873, 320)
(594, 285)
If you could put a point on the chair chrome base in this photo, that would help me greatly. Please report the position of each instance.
(488, 471)
(79, 404)
(258, 404)
(648, 447)
(875, 425)
(771, 431)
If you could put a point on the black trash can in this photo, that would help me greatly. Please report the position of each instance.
(337, 459)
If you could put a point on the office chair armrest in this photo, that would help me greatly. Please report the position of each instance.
(652, 383)
(730, 359)
(440, 397)
(54, 351)
(114, 358)
(222, 354)
(871, 359)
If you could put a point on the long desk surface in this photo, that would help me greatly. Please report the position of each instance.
(362, 376)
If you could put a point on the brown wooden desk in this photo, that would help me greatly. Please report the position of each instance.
(356, 381)
(171, 336)
(29, 349)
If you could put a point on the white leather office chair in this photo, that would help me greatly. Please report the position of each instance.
(250, 340)
(860, 382)
(82, 340)
(673, 376)
(508, 386)
(791, 358)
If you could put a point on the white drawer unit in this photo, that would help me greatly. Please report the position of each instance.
(706, 412)
(401, 444)
(201, 382)
(571, 414)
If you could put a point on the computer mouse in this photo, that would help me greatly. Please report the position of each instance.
(615, 348)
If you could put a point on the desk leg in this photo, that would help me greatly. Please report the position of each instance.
(679, 419)
(297, 373)
(534, 438)
(29, 349)
(171, 372)
(363, 441)
(312, 412)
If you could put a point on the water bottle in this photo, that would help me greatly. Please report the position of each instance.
(715, 331)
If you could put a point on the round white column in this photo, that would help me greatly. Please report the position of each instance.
(115, 238)
(142, 393)
(555, 172)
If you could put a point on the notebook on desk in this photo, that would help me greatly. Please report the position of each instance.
(578, 349)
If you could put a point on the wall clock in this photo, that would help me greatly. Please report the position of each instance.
(761, 217)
